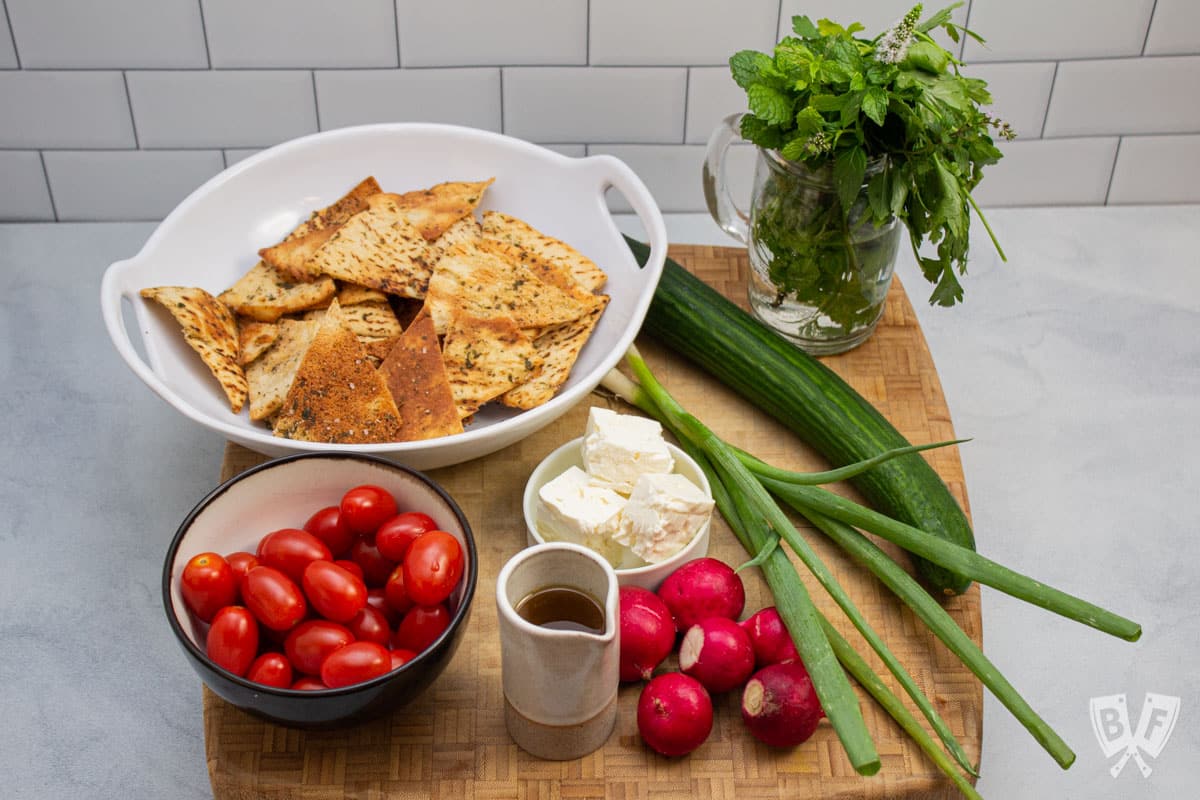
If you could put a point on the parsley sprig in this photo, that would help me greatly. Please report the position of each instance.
(827, 98)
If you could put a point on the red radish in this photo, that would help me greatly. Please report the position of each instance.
(780, 706)
(770, 638)
(674, 714)
(718, 653)
(647, 633)
(702, 588)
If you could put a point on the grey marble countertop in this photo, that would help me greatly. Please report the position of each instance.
(1075, 367)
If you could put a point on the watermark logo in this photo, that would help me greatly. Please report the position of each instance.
(1110, 721)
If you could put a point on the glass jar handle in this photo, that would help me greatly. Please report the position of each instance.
(721, 205)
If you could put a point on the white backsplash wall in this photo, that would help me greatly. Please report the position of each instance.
(117, 109)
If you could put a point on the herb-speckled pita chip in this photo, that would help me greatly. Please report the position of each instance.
(558, 347)
(484, 359)
(416, 377)
(466, 230)
(377, 248)
(270, 376)
(435, 209)
(291, 255)
(265, 294)
(210, 329)
(527, 243)
(337, 394)
(350, 294)
(254, 338)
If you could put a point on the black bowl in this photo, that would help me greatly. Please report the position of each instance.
(283, 493)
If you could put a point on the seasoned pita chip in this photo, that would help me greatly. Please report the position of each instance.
(292, 254)
(350, 294)
(558, 348)
(265, 294)
(484, 359)
(533, 244)
(377, 349)
(337, 395)
(254, 338)
(435, 209)
(466, 229)
(483, 284)
(270, 376)
(377, 248)
(210, 329)
(550, 273)
(416, 377)
(367, 321)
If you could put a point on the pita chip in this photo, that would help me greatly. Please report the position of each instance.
(432, 211)
(557, 347)
(416, 377)
(270, 376)
(292, 254)
(519, 237)
(254, 338)
(265, 294)
(484, 359)
(337, 395)
(211, 330)
(350, 294)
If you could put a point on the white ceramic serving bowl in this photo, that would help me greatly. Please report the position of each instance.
(212, 238)
(648, 576)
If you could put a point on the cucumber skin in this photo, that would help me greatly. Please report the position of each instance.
(698, 322)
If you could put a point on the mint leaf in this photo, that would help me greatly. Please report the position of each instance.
(951, 205)
(875, 104)
(848, 170)
(747, 67)
(769, 104)
(804, 28)
(809, 121)
(928, 57)
(795, 148)
(879, 196)
(792, 59)
(761, 133)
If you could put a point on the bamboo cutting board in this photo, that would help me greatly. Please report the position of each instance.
(452, 744)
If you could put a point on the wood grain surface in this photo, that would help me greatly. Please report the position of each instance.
(451, 743)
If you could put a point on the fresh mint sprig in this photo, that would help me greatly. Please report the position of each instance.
(829, 98)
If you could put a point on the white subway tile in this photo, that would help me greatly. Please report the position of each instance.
(452, 33)
(235, 154)
(1020, 93)
(221, 109)
(569, 150)
(876, 16)
(458, 96)
(64, 109)
(636, 32)
(300, 33)
(126, 185)
(115, 34)
(26, 196)
(8, 54)
(672, 174)
(1157, 169)
(1175, 29)
(1036, 29)
(594, 104)
(1049, 172)
(712, 96)
(1128, 95)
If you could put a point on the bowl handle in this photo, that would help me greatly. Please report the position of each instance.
(614, 172)
(112, 289)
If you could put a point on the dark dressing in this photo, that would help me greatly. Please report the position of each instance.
(562, 608)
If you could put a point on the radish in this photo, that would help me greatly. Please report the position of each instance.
(647, 633)
(718, 653)
(780, 706)
(771, 640)
(674, 714)
(703, 588)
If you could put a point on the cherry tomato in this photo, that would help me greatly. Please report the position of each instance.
(401, 657)
(376, 569)
(351, 566)
(327, 526)
(271, 669)
(396, 534)
(308, 683)
(364, 508)
(208, 584)
(420, 627)
(334, 592)
(311, 642)
(432, 567)
(274, 598)
(355, 663)
(289, 551)
(394, 591)
(232, 639)
(241, 562)
(377, 599)
(370, 625)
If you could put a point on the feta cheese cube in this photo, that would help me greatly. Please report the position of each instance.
(618, 448)
(662, 515)
(572, 508)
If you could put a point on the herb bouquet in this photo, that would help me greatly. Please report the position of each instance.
(856, 136)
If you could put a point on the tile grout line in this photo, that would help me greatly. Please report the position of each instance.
(49, 188)
(204, 32)
(316, 103)
(587, 33)
(501, 71)
(396, 31)
(1149, 25)
(962, 41)
(1113, 169)
(137, 143)
(1049, 99)
(12, 36)
(687, 90)
(778, 19)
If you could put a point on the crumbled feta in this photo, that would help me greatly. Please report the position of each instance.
(618, 448)
(572, 508)
(663, 514)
